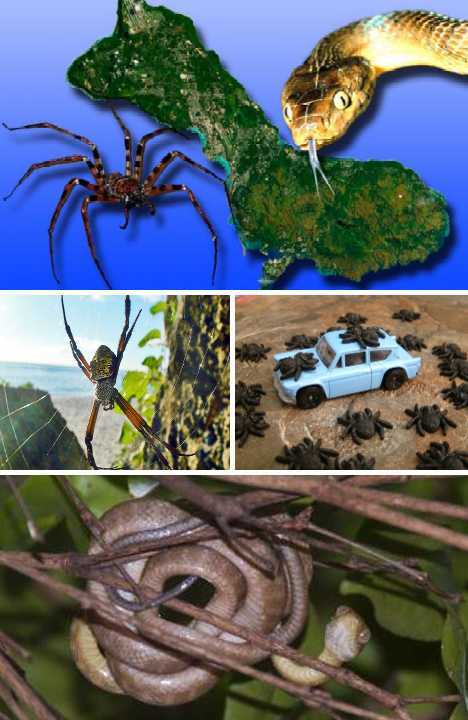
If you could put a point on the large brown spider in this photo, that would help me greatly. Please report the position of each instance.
(102, 371)
(130, 189)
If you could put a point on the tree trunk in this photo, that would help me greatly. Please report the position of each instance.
(193, 405)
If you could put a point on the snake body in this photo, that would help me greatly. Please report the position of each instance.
(155, 675)
(336, 83)
(119, 662)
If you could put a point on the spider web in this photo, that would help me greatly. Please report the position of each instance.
(35, 434)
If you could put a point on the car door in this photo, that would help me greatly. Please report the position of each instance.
(351, 374)
(379, 366)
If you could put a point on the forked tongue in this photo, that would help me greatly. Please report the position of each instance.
(316, 166)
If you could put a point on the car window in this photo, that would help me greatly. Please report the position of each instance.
(380, 355)
(325, 352)
(355, 359)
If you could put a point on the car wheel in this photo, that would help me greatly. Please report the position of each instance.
(395, 379)
(310, 397)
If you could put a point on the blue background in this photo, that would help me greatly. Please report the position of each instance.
(418, 118)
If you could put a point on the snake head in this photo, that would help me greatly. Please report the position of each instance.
(321, 105)
(346, 635)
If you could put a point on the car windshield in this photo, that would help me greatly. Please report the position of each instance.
(325, 352)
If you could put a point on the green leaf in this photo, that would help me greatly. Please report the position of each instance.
(153, 363)
(127, 434)
(48, 507)
(102, 495)
(158, 308)
(421, 679)
(400, 610)
(152, 335)
(454, 647)
(135, 384)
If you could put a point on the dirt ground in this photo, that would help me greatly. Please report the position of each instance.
(272, 320)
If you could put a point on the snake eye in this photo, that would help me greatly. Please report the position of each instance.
(288, 112)
(341, 100)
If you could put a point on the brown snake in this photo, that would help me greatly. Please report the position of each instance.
(336, 83)
(276, 606)
(243, 593)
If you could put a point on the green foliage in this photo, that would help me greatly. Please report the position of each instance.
(141, 388)
(455, 647)
(402, 612)
(152, 335)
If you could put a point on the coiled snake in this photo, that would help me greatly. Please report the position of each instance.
(336, 83)
(276, 606)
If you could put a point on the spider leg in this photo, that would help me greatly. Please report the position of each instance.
(51, 126)
(141, 147)
(90, 435)
(63, 199)
(419, 427)
(126, 335)
(127, 218)
(52, 163)
(167, 189)
(128, 143)
(140, 424)
(168, 160)
(77, 354)
(92, 247)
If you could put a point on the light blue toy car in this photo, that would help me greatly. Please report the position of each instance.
(342, 369)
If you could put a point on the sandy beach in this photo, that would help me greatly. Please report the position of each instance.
(76, 411)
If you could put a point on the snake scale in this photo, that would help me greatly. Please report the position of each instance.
(277, 606)
(336, 83)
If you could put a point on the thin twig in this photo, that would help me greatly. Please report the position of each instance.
(328, 492)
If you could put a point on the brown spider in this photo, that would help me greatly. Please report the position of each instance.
(102, 371)
(130, 189)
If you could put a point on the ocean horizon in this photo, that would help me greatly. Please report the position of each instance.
(58, 380)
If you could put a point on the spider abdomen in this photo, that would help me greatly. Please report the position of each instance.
(103, 364)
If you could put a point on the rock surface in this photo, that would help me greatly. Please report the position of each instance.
(33, 434)
(381, 216)
(273, 320)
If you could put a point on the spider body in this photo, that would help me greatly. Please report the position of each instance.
(449, 351)
(293, 367)
(252, 352)
(301, 342)
(308, 455)
(454, 368)
(358, 462)
(429, 419)
(103, 374)
(457, 395)
(250, 423)
(130, 189)
(364, 425)
(408, 316)
(439, 456)
(352, 319)
(412, 343)
(248, 396)
(364, 336)
(103, 371)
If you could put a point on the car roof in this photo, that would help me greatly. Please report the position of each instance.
(337, 344)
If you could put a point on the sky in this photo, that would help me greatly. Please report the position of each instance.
(32, 330)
